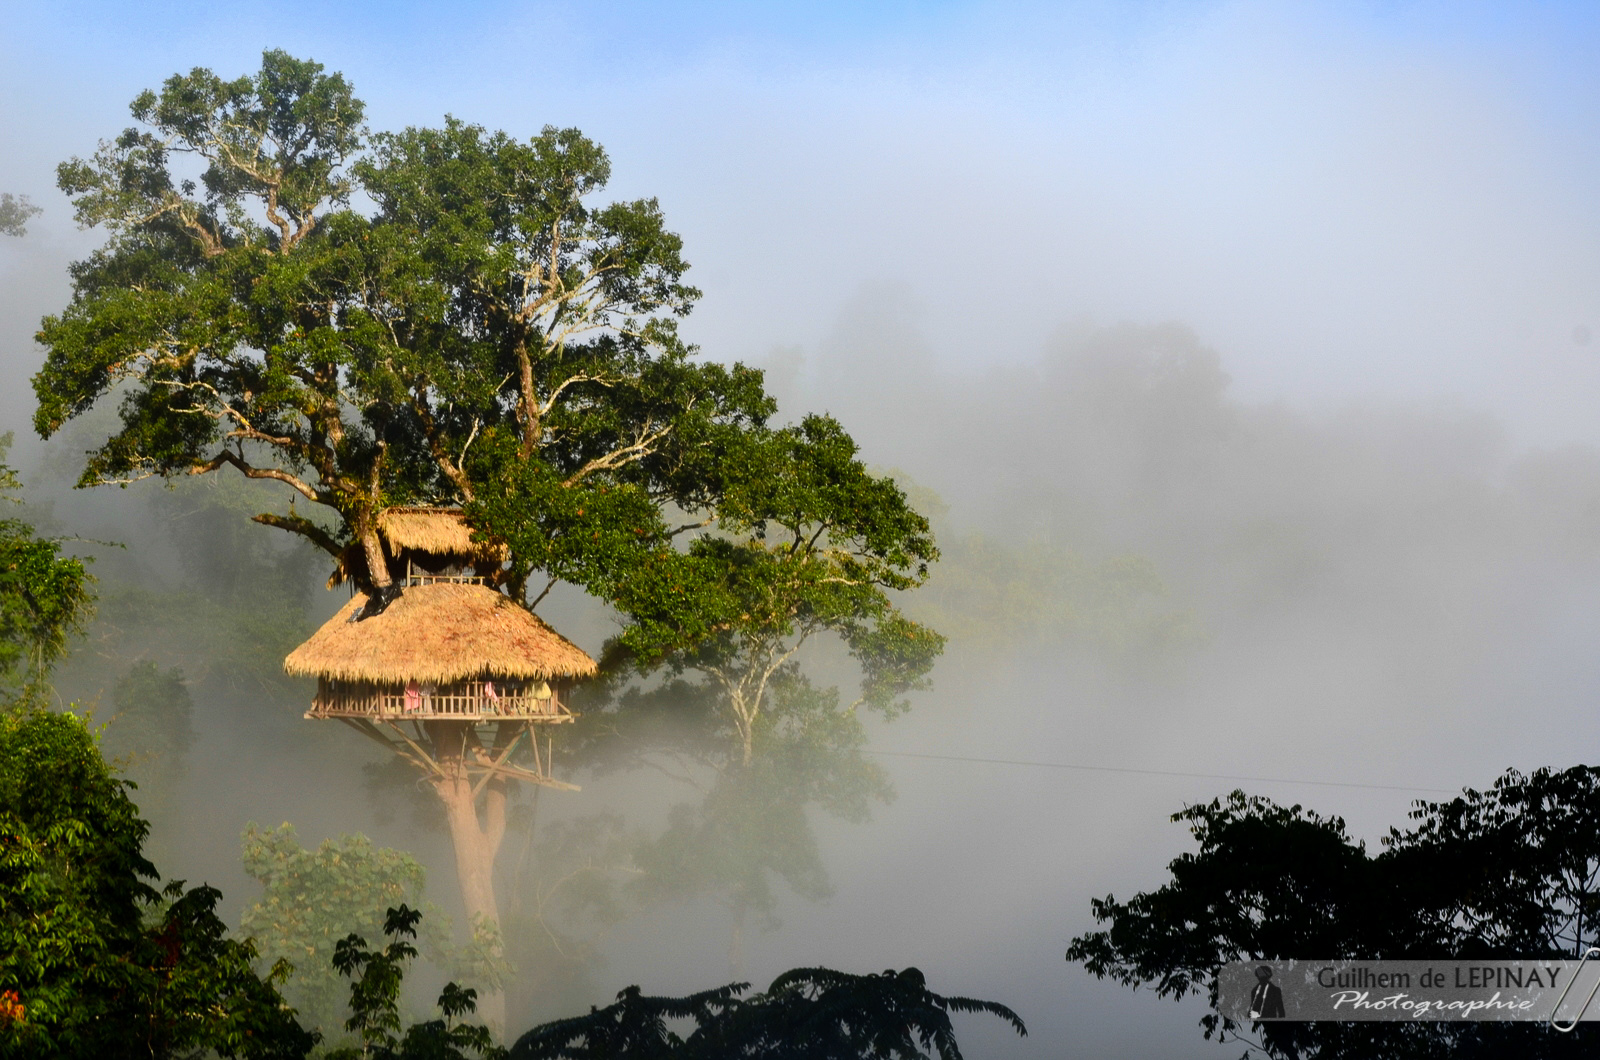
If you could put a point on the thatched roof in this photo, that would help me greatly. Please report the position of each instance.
(438, 530)
(449, 631)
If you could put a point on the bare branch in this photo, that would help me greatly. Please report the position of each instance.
(298, 524)
(542, 595)
(642, 446)
(228, 456)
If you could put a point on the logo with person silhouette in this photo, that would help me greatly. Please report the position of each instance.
(1266, 1000)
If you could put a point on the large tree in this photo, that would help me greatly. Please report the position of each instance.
(478, 331)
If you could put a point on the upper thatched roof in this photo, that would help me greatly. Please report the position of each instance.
(450, 631)
(438, 530)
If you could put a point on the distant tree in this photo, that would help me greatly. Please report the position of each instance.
(94, 961)
(806, 1014)
(243, 598)
(155, 714)
(797, 544)
(1511, 872)
(748, 828)
(149, 734)
(15, 210)
(566, 885)
(311, 899)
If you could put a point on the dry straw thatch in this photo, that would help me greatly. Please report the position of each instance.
(449, 631)
(437, 530)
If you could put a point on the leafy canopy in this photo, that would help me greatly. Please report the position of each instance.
(312, 899)
(487, 334)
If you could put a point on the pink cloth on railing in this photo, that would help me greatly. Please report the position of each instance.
(413, 697)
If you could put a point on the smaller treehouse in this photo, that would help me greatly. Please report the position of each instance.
(451, 674)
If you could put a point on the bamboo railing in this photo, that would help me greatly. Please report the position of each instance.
(465, 700)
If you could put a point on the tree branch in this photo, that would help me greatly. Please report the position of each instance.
(228, 456)
(299, 524)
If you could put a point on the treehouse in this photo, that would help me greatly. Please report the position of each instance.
(450, 667)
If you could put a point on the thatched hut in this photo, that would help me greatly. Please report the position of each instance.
(422, 545)
(449, 646)
(443, 649)
(451, 674)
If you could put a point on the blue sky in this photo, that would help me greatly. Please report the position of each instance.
(1381, 201)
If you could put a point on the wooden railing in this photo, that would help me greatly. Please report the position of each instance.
(415, 575)
(467, 700)
(435, 579)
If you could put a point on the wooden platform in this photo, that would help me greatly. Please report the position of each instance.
(491, 742)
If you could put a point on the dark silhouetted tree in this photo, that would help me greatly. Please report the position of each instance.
(1510, 872)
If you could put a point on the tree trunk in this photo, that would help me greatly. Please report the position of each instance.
(377, 562)
(476, 844)
(474, 856)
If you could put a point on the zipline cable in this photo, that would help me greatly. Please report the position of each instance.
(1159, 772)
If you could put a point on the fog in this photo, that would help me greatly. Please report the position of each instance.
(1287, 309)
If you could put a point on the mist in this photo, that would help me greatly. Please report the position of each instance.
(1244, 354)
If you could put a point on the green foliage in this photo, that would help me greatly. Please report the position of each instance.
(806, 1014)
(45, 597)
(632, 1028)
(376, 977)
(486, 313)
(102, 964)
(1507, 872)
(487, 335)
(15, 210)
(796, 538)
(311, 899)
